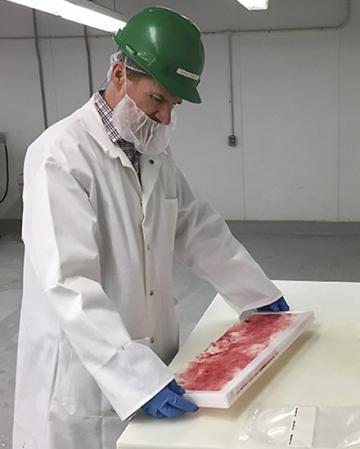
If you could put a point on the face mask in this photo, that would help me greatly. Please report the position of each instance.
(148, 136)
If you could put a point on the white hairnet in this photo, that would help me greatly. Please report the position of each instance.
(120, 55)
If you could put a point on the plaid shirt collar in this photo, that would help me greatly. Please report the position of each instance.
(106, 112)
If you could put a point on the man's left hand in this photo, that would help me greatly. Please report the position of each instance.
(279, 305)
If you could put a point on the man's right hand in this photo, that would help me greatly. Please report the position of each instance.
(169, 403)
(277, 306)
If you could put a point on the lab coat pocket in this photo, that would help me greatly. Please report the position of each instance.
(168, 180)
(61, 372)
(144, 341)
(171, 212)
(84, 397)
(75, 388)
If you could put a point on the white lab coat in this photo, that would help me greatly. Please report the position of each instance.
(98, 321)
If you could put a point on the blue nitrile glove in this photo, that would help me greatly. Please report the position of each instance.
(278, 306)
(169, 403)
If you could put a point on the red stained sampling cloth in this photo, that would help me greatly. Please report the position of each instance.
(226, 357)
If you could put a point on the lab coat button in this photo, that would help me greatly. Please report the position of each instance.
(152, 340)
(151, 161)
(152, 292)
(148, 247)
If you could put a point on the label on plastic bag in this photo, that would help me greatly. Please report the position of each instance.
(302, 427)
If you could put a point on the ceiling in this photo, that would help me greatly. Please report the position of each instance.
(209, 15)
(217, 15)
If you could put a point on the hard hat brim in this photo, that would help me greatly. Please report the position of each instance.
(193, 96)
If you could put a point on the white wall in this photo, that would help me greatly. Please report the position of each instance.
(297, 107)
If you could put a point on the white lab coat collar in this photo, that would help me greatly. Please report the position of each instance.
(91, 121)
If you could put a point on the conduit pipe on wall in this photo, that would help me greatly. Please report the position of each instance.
(41, 72)
(40, 66)
(88, 60)
(231, 138)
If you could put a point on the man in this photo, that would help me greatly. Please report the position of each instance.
(105, 208)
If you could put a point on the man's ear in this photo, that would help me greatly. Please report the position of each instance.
(118, 74)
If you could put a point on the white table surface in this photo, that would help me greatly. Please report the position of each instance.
(322, 368)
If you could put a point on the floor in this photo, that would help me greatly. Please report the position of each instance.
(300, 255)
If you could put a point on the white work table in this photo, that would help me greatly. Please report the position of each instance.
(322, 368)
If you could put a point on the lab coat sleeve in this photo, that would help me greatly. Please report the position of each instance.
(62, 237)
(205, 244)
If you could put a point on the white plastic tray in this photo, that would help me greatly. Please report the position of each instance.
(219, 375)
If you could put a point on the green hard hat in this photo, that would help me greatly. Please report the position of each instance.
(168, 46)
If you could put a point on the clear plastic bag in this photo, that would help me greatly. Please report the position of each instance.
(302, 426)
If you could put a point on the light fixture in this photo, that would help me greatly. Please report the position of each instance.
(255, 4)
(80, 11)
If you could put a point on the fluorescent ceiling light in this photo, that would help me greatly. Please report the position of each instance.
(255, 4)
(92, 15)
(80, 11)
